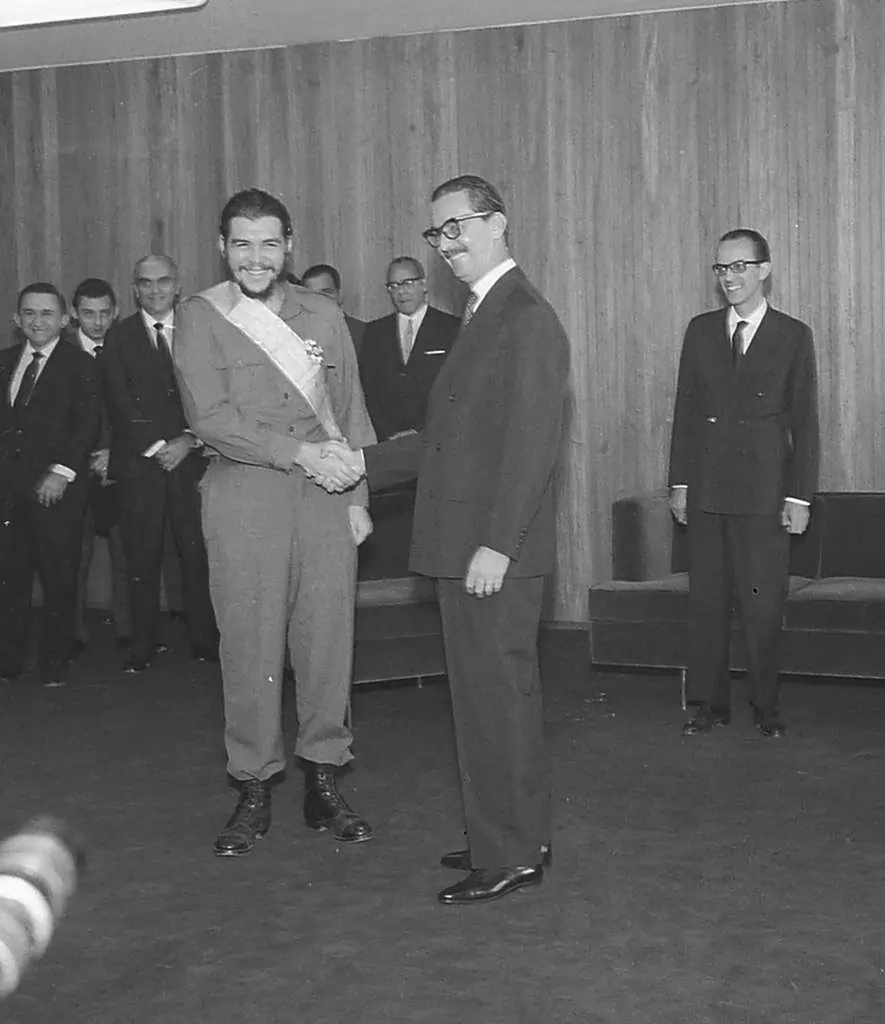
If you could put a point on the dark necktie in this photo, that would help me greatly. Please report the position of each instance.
(163, 349)
(29, 379)
(737, 342)
(470, 309)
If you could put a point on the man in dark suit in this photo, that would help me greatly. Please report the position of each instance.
(743, 468)
(322, 277)
(157, 464)
(48, 425)
(484, 528)
(402, 353)
(94, 306)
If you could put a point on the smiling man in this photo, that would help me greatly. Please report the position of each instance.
(402, 353)
(484, 529)
(48, 426)
(268, 373)
(743, 469)
(157, 465)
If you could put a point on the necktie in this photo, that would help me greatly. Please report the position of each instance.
(737, 342)
(163, 348)
(408, 339)
(29, 379)
(469, 309)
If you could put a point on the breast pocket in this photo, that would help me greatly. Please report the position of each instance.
(766, 403)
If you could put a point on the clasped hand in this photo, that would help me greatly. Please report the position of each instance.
(332, 465)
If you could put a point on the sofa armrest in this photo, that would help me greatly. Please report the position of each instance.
(646, 542)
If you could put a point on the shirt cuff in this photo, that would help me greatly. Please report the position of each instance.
(678, 487)
(362, 456)
(799, 501)
(68, 474)
(154, 448)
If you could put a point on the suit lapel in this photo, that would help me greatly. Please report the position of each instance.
(763, 345)
(10, 360)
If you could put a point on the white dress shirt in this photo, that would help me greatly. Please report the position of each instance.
(23, 363)
(416, 319)
(485, 284)
(168, 322)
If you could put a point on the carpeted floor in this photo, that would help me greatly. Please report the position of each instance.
(724, 879)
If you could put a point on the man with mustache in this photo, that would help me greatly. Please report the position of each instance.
(484, 529)
(267, 373)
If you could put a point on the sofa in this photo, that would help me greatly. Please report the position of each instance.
(834, 617)
(397, 633)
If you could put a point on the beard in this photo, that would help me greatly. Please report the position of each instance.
(263, 294)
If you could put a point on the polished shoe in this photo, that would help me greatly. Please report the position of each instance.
(705, 720)
(485, 885)
(459, 860)
(8, 677)
(132, 666)
(53, 681)
(249, 822)
(769, 723)
(326, 810)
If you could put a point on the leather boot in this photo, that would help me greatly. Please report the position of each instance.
(325, 809)
(250, 820)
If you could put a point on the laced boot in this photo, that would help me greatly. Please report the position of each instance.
(250, 820)
(325, 809)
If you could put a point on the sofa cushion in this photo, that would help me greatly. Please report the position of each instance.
(839, 603)
(663, 600)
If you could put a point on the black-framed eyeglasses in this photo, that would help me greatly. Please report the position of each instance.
(450, 229)
(736, 267)
(407, 282)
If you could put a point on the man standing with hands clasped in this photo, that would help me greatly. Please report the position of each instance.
(743, 469)
(484, 528)
(267, 373)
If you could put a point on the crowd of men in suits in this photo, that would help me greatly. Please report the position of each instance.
(303, 412)
(99, 434)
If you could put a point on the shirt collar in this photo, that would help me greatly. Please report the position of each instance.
(167, 321)
(754, 319)
(484, 285)
(47, 350)
(414, 317)
(89, 346)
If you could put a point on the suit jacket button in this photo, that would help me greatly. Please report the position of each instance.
(451, 398)
(285, 394)
(438, 447)
(291, 430)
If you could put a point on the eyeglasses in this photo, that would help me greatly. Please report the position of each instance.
(451, 229)
(407, 282)
(737, 267)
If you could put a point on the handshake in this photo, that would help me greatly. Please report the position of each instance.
(333, 465)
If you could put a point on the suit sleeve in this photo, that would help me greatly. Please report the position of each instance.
(348, 402)
(391, 463)
(371, 381)
(126, 417)
(801, 481)
(208, 405)
(77, 441)
(684, 415)
(532, 395)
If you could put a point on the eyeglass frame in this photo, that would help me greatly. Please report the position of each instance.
(407, 282)
(721, 269)
(433, 236)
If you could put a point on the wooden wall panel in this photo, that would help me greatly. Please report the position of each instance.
(624, 147)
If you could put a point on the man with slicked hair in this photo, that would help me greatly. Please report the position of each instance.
(402, 353)
(94, 307)
(267, 374)
(743, 469)
(157, 464)
(484, 528)
(49, 409)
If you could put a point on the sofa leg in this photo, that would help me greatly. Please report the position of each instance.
(684, 678)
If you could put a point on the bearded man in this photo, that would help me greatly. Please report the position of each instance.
(267, 373)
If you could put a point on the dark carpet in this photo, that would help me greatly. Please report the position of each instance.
(725, 878)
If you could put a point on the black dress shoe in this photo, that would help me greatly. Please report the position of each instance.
(485, 885)
(705, 720)
(124, 642)
(8, 677)
(326, 810)
(249, 822)
(132, 666)
(459, 860)
(769, 723)
(78, 647)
